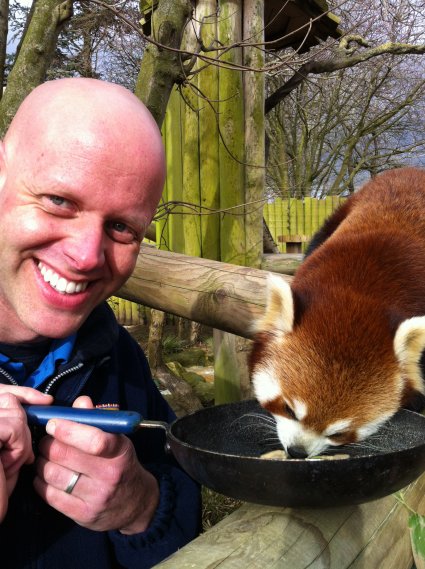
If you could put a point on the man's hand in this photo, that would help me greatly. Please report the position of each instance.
(15, 436)
(113, 490)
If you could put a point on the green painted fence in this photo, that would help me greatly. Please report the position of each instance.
(295, 220)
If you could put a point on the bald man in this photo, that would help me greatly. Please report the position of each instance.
(81, 173)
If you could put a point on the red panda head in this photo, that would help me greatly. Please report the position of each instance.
(331, 370)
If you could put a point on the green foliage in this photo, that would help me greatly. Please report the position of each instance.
(172, 344)
(417, 535)
(416, 524)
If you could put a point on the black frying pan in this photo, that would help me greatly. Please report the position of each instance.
(221, 448)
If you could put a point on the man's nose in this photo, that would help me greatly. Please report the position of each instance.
(86, 247)
(297, 452)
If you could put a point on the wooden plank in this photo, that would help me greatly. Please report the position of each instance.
(173, 237)
(321, 210)
(220, 295)
(254, 95)
(308, 217)
(374, 535)
(209, 135)
(292, 217)
(232, 141)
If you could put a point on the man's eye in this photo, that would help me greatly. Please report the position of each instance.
(57, 200)
(121, 232)
(120, 227)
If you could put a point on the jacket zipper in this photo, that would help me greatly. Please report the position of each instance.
(61, 375)
(51, 382)
(8, 376)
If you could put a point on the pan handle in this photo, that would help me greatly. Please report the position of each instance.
(118, 422)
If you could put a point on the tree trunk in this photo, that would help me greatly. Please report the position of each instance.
(195, 332)
(35, 55)
(154, 348)
(161, 68)
(184, 398)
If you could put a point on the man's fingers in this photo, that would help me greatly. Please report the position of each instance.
(26, 395)
(85, 438)
(83, 402)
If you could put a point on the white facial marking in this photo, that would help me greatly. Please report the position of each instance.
(59, 283)
(266, 386)
(299, 408)
(372, 427)
(337, 427)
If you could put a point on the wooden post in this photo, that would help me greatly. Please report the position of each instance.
(253, 28)
(232, 182)
(169, 230)
(232, 141)
(208, 136)
(190, 224)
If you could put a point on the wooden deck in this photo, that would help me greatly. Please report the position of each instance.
(369, 536)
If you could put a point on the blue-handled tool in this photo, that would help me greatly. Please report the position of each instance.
(118, 422)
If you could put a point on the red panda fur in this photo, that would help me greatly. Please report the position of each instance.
(363, 276)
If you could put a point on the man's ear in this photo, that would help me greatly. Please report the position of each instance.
(278, 318)
(409, 345)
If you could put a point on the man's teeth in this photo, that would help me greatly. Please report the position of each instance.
(60, 283)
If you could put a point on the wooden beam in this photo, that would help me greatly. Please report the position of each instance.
(216, 294)
(372, 535)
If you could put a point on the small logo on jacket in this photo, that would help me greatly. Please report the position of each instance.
(108, 406)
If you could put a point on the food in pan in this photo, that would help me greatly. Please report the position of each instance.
(280, 454)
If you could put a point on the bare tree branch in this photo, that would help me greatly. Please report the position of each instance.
(343, 57)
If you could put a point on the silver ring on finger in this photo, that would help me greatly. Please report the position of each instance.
(72, 482)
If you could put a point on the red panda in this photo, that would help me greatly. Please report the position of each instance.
(339, 351)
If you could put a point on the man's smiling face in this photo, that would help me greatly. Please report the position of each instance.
(73, 209)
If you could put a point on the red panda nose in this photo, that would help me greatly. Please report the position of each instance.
(297, 452)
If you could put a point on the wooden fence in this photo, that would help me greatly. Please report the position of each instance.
(292, 222)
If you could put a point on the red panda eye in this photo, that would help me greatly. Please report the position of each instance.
(338, 436)
(289, 412)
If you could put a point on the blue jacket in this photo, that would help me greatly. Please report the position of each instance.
(109, 366)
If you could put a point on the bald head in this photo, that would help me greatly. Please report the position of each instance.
(81, 174)
(81, 114)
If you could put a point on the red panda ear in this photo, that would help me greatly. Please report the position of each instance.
(278, 318)
(409, 343)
